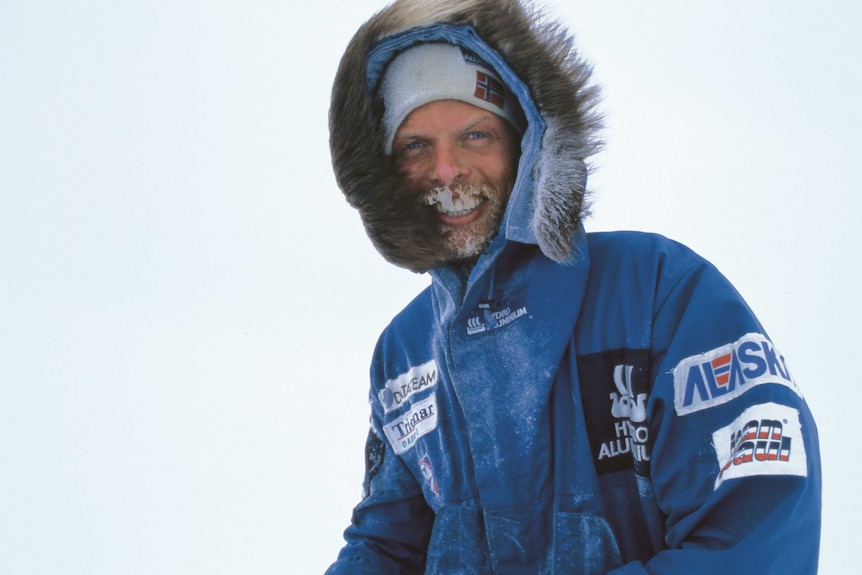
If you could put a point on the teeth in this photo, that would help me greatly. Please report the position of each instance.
(464, 201)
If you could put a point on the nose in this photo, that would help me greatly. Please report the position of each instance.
(448, 165)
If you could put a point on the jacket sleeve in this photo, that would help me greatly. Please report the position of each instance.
(735, 459)
(389, 530)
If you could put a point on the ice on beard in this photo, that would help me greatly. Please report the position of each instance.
(443, 195)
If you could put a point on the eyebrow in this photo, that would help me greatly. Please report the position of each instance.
(462, 130)
(485, 118)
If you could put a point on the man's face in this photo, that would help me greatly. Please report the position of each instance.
(464, 161)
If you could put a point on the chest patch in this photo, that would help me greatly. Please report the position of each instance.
(400, 389)
(493, 315)
(421, 419)
(615, 391)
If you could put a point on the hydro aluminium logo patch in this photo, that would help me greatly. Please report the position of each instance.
(398, 390)
(628, 408)
(494, 315)
(717, 376)
(615, 388)
(421, 419)
(765, 440)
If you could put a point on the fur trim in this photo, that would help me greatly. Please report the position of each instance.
(542, 55)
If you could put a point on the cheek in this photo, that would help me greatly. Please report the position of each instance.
(410, 172)
(506, 159)
(504, 172)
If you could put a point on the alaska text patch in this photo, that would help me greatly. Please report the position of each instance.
(717, 376)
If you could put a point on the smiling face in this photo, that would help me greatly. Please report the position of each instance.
(464, 161)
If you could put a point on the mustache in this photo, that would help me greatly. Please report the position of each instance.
(446, 195)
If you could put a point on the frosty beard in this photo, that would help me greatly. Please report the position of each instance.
(468, 241)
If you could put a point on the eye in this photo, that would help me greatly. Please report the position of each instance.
(477, 138)
(410, 148)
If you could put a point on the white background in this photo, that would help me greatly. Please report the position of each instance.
(188, 306)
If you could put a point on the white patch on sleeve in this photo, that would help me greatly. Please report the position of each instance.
(765, 440)
(717, 376)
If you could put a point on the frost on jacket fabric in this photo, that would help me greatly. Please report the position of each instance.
(575, 403)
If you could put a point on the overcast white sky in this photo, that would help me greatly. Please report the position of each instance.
(188, 306)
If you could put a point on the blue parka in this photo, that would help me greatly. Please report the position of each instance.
(627, 414)
(616, 408)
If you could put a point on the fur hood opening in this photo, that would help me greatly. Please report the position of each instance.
(537, 61)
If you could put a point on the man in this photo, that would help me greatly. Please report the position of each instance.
(555, 401)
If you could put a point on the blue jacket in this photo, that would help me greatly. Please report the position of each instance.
(574, 403)
(627, 414)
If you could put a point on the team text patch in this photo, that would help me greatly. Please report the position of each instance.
(715, 377)
(765, 440)
(398, 390)
(403, 431)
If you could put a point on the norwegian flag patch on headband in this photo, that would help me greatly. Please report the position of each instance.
(490, 89)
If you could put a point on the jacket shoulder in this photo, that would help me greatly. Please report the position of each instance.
(416, 317)
(641, 248)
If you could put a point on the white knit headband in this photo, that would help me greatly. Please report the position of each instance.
(428, 72)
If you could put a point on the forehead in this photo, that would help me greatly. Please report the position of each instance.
(447, 116)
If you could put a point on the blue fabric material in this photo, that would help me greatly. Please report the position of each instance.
(533, 466)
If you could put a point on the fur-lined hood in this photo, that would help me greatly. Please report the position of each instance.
(537, 61)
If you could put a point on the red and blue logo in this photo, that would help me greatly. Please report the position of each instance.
(490, 89)
(428, 474)
(766, 439)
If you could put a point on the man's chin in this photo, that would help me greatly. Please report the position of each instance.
(465, 239)
(463, 245)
